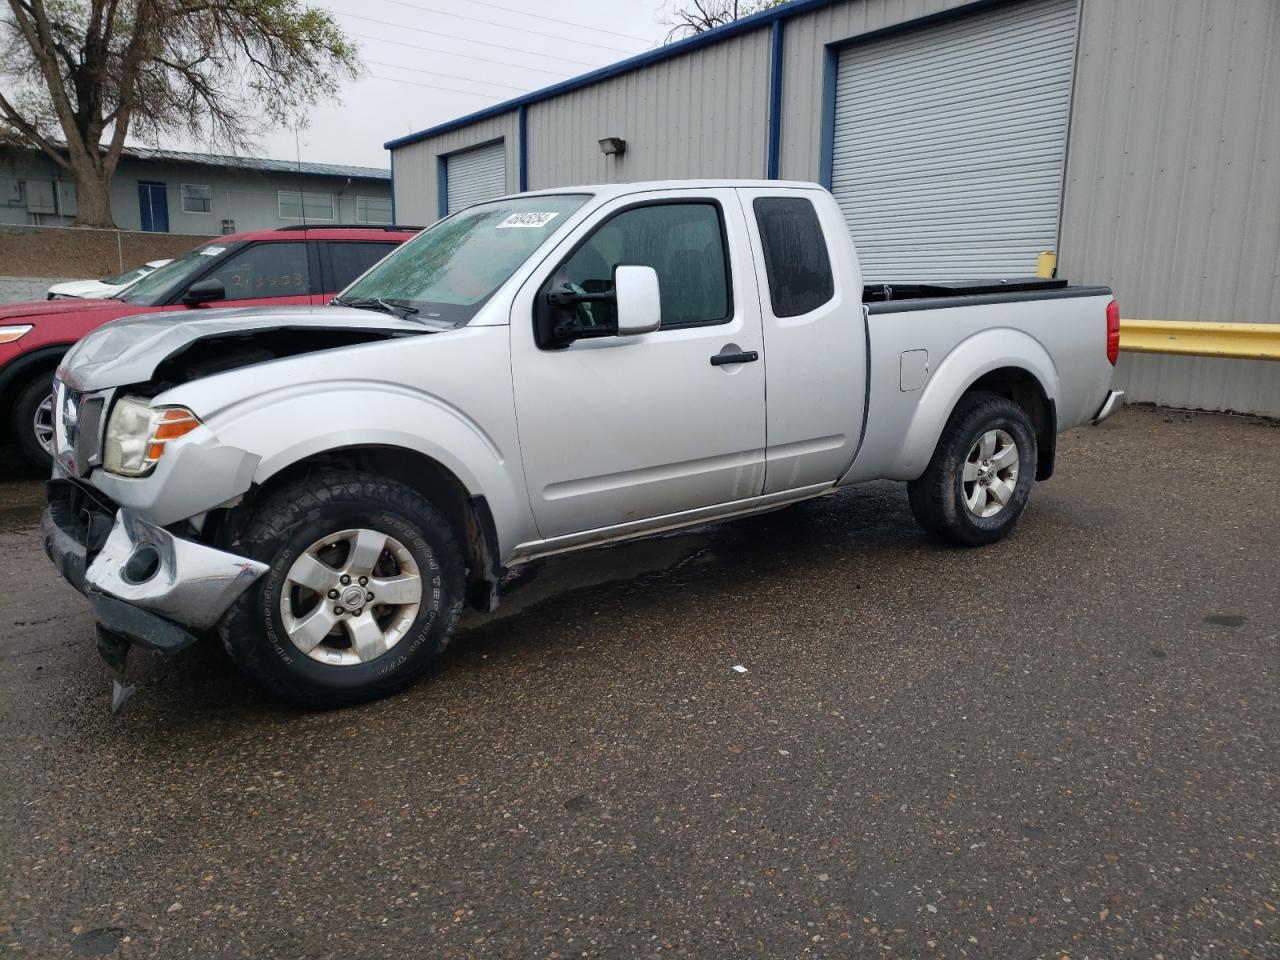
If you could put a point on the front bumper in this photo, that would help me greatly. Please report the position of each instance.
(144, 583)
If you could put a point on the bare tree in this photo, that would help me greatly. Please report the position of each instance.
(703, 15)
(79, 76)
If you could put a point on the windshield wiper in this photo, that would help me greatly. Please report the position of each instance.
(401, 310)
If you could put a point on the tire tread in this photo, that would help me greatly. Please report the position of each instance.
(934, 497)
(304, 501)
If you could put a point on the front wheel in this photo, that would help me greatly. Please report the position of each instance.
(363, 590)
(979, 480)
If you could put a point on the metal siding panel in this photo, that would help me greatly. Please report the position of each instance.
(802, 80)
(475, 175)
(1172, 188)
(673, 124)
(415, 164)
(949, 143)
(703, 114)
(416, 184)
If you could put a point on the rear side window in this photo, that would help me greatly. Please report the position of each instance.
(348, 260)
(795, 255)
(265, 270)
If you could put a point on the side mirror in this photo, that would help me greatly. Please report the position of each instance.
(204, 291)
(639, 300)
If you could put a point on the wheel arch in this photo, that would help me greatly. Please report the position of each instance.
(1023, 388)
(1004, 361)
(469, 514)
(17, 374)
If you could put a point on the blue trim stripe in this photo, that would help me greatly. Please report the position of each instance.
(522, 148)
(746, 24)
(775, 101)
(393, 187)
(442, 186)
(830, 63)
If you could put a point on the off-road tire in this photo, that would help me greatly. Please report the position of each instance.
(937, 496)
(24, 414)
(298, 515)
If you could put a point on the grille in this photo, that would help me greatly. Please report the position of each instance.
(78, 429)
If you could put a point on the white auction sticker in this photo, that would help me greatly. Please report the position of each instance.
(527, 220)
(211, 251)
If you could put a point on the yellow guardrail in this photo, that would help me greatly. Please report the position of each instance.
(1240, 341)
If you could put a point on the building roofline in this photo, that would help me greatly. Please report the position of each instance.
(303, 168)
(754, 22)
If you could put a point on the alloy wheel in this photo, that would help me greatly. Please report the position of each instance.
(350, 597)
(990, 473)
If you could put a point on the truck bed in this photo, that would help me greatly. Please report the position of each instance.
(890, 297)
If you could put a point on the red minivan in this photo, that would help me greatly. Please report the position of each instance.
(291, 265)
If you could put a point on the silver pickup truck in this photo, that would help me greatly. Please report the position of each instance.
(324, 488)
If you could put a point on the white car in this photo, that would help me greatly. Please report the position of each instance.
(101, 289)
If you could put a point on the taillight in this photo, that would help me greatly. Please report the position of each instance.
(1113, 332)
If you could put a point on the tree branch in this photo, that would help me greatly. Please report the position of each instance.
(31, 133)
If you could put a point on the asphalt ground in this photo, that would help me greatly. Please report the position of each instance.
(1062, 745)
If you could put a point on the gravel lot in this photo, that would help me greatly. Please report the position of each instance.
(1063, 745)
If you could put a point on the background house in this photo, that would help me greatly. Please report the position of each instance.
(962, 138)
(170, 191)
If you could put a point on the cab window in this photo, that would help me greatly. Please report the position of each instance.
(265, 270)
(795, 255)
(347, 260)
(683, 241)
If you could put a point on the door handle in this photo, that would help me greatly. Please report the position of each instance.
(745, 356)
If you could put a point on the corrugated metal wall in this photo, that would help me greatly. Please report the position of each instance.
(1172, 193)
(475, 175)
(802, 73)
(417, 196)
(949, 142)
(1173, 182)
(703, 114)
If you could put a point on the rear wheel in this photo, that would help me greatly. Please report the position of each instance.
(364, 586)
(32, 423)
(979, 480)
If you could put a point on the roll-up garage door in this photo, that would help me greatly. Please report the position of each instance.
(475, 175)
(949, 143)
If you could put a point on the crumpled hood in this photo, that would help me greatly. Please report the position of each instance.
(127, 351)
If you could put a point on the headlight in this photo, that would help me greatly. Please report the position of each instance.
(10, 334)
(138, 432)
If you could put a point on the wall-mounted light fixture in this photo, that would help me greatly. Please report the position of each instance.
(613, 146)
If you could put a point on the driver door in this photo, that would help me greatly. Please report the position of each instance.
(627, 430)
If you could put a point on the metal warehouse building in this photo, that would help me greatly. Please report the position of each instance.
(1138, 140)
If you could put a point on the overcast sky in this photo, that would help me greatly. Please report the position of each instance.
(427, 61)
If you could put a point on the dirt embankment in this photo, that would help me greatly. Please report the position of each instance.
(62, 252)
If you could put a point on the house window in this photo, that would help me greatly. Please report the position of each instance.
(197, 198)
(14, 192)
(40, 198)
(373, 209)
(296, 205)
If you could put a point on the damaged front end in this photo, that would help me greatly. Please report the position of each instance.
(142, 484)
(146, 585)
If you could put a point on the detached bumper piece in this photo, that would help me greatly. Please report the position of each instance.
(145, 585)
(1114, 401)
(145, 566)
